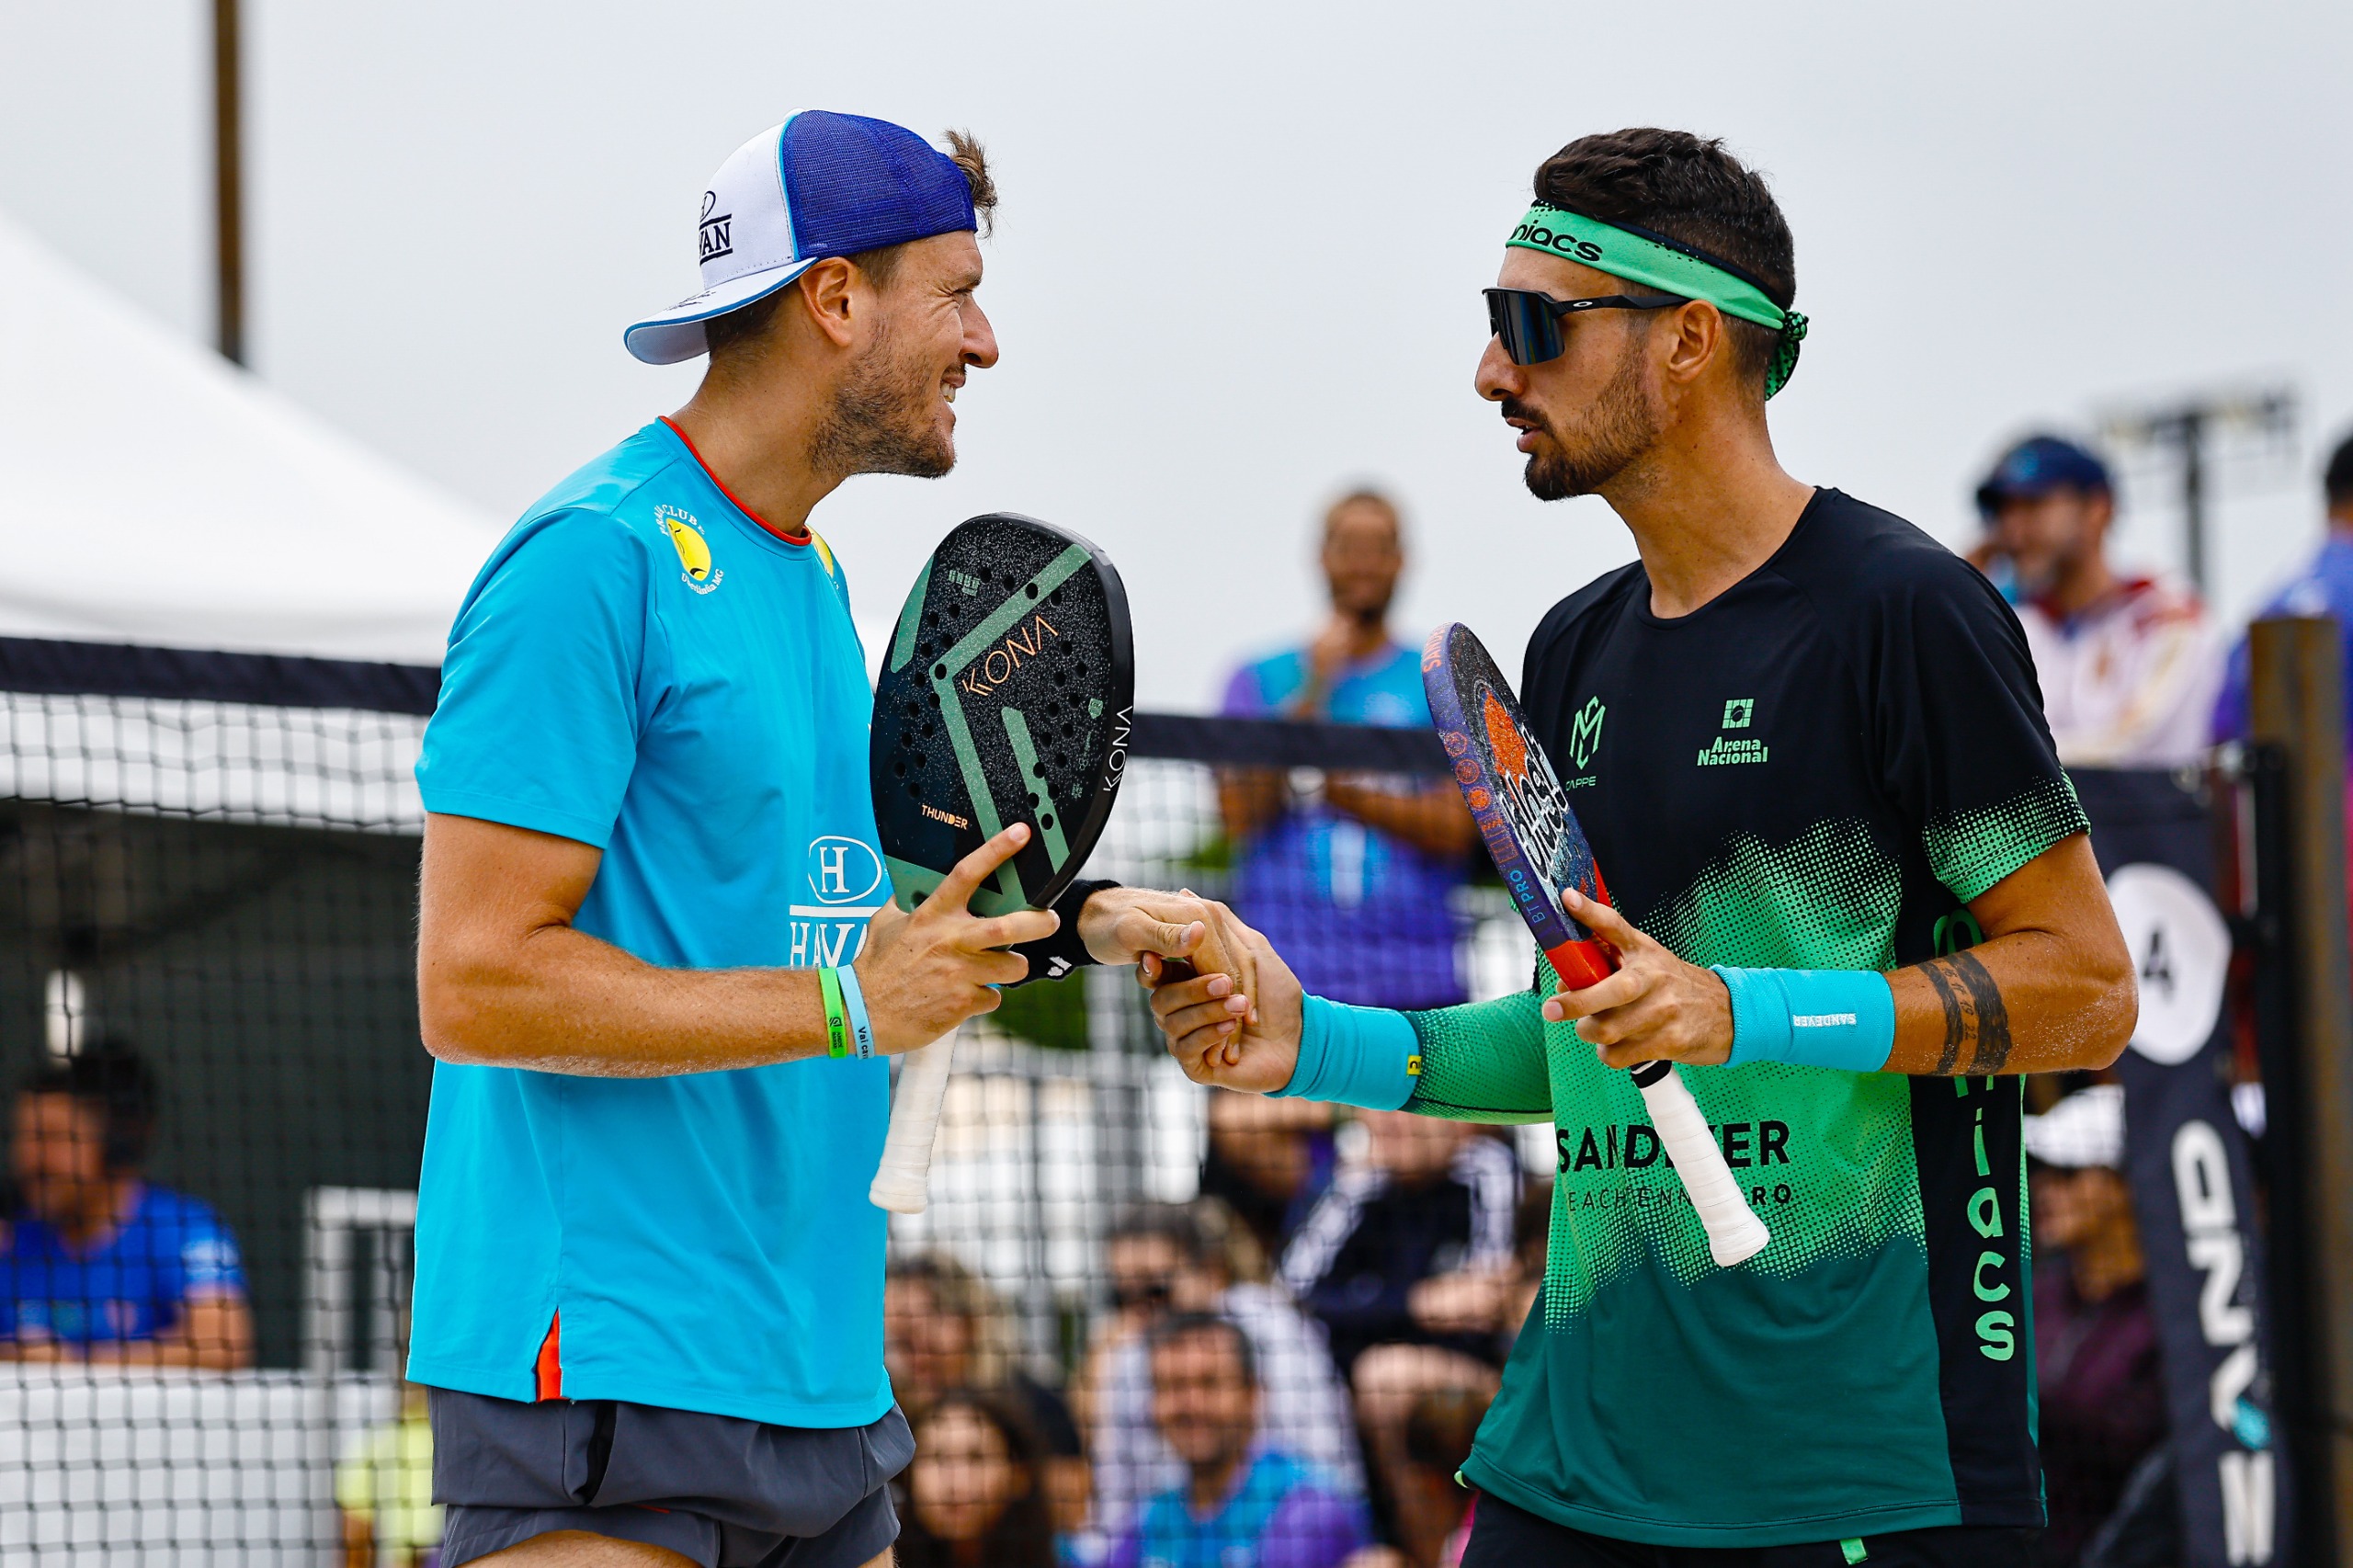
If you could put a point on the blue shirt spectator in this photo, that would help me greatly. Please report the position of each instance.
(1349, 877)
(2324, 587)
(100, 1264)
(1237, 1508)
(132, 1284)
(1276, 1517)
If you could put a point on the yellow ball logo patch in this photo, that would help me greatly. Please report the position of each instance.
(694, 550)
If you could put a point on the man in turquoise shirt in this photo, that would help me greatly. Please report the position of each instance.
(649, 1281)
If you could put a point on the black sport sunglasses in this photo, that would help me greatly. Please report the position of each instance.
(1529, 322)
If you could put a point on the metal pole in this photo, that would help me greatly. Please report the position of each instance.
(227, 184)
(2193, 493)
(2298, 708)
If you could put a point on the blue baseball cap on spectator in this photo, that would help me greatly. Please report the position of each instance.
(818, 184)
(2036, 467)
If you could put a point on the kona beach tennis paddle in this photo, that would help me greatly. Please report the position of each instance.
(1005, 696)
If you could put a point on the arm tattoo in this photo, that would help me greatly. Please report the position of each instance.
(1976, 1016)
(1956, 1024)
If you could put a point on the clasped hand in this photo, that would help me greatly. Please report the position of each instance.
(925, 971)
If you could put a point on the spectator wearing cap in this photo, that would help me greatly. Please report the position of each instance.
(103, 1266)
(2128, 663)
(2324, 587)
(2098, 1366)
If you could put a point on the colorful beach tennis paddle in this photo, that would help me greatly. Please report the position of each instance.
(1005, 696)
(1523, 819)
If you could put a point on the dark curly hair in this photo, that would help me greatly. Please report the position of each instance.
(1690, 189)
(1023, 1535)
(110, 1078)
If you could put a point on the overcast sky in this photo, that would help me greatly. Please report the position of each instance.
(1238, 260)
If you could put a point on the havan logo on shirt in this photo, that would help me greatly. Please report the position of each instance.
(694, 550)
(845, 876)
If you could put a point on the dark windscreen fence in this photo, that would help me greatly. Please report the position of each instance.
(216, 1101)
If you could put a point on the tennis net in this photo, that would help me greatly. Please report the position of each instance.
(208, 874)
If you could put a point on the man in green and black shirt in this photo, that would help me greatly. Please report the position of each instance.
(1854, 898)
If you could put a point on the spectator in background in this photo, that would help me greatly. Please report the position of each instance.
(2129, 665)
(1409, 1262)
(384, 1487)
(975, 1494)
(2324, 587)
(1167, 1259)
(104, 1267)
(1269, 1160)
(944, 1331)
(2098, 1368)
(1349, 877)
(1242, 1503)
(1432, 1506)
(1431, 1201)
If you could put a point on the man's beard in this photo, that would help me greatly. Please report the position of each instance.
(1622, 425)
(883, 419)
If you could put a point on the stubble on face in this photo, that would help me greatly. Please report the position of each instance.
(883, 419)
(1622, 423)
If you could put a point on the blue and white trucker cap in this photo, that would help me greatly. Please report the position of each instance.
(819, 185)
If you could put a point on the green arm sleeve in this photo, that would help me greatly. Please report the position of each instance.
(1483, 1062)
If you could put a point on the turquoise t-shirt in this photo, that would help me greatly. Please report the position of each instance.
(642, 667)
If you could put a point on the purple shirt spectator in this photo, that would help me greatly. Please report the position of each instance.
(1277, 1517)
(2324, 587)
(1360, 915)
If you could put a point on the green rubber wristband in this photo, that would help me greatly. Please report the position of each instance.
(837, 1032)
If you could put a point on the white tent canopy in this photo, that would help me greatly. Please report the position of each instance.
(152, 493)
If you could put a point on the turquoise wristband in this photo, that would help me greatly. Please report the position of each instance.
(1810, 1017)
(861, 1031)
(1367, 1057)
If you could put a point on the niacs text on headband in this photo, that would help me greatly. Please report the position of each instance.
(1639, 256)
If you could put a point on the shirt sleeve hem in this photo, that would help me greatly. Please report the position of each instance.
(535, 815)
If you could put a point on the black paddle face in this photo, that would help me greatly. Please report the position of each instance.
(1515, 798)
(1006, 694)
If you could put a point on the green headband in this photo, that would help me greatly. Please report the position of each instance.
(1638, 259)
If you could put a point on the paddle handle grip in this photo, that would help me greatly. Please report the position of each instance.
(1734, 1233)
(903, 1182)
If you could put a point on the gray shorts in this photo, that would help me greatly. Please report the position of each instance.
(723, 1492)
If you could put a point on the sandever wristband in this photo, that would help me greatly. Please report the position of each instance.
(1367, 1057)
(1810, 1017)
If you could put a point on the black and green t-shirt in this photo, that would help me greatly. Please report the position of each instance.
(1817, 769)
